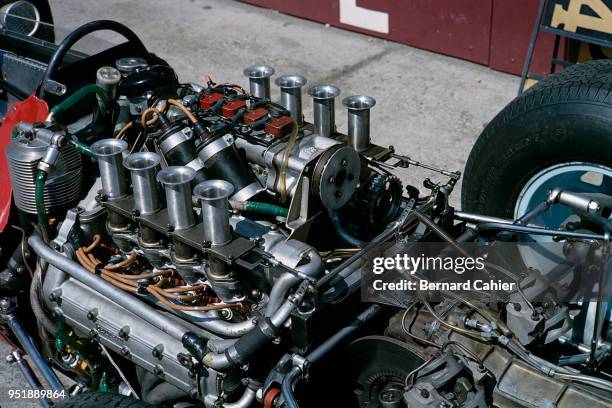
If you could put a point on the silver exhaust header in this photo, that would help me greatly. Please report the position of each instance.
(323, 97)
(291, 95)
(214, 198)
(259, 80)
(143, 166)
(177, 183)
(359, 120)
(110, 162)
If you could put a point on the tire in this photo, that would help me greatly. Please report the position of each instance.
(565, 118)
(92, 399)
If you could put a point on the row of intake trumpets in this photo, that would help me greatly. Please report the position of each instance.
(323, 96)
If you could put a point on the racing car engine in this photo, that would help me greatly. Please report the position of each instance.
(203, 243)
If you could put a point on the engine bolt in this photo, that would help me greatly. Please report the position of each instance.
(92, 314)
(424, 393)
(256, 294)
(93, 333)
(124, 332)
(338, 193)
(158, 370)
(158, 351)
(125, 351)
(193, 393)
(344, 163)
(185, 360)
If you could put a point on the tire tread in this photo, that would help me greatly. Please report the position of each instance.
(588, 82)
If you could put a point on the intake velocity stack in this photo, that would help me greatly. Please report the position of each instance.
(143, 166)
(259, 80)
(177, 183)
(110, 154)
(323, 97)
(214, 198)
(291, 95)
(359, 120)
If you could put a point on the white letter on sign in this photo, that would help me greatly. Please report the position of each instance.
(352, 14)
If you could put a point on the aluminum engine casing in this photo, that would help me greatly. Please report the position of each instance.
(91, 314)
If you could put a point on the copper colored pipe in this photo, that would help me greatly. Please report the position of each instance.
(187, 288)
(155, 292)
(183, 109)
(122, 264)
(96, 241)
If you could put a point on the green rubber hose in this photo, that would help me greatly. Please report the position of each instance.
(264, 208)
(83, 148)
(39, 196)
(76, 97)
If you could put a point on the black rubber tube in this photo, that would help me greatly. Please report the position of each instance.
(327, 346)
(344, 234)
(81, 32)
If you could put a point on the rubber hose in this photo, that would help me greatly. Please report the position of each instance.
(265, 208)
(76, 97)
(344, 234)
(139, 50)
(83, 148)
(39, 196)
(37, 307)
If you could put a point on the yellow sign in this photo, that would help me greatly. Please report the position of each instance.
(572, 18)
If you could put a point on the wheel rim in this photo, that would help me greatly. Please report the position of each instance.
(578, 177)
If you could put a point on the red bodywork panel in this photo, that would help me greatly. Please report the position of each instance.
(31, 110)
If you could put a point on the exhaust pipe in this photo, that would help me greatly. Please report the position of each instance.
(143, 167)
(291, 95)
(110, 162)
(214, 198)
(359, 120)
(259, 80)
(323, 97)
(177, 183)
